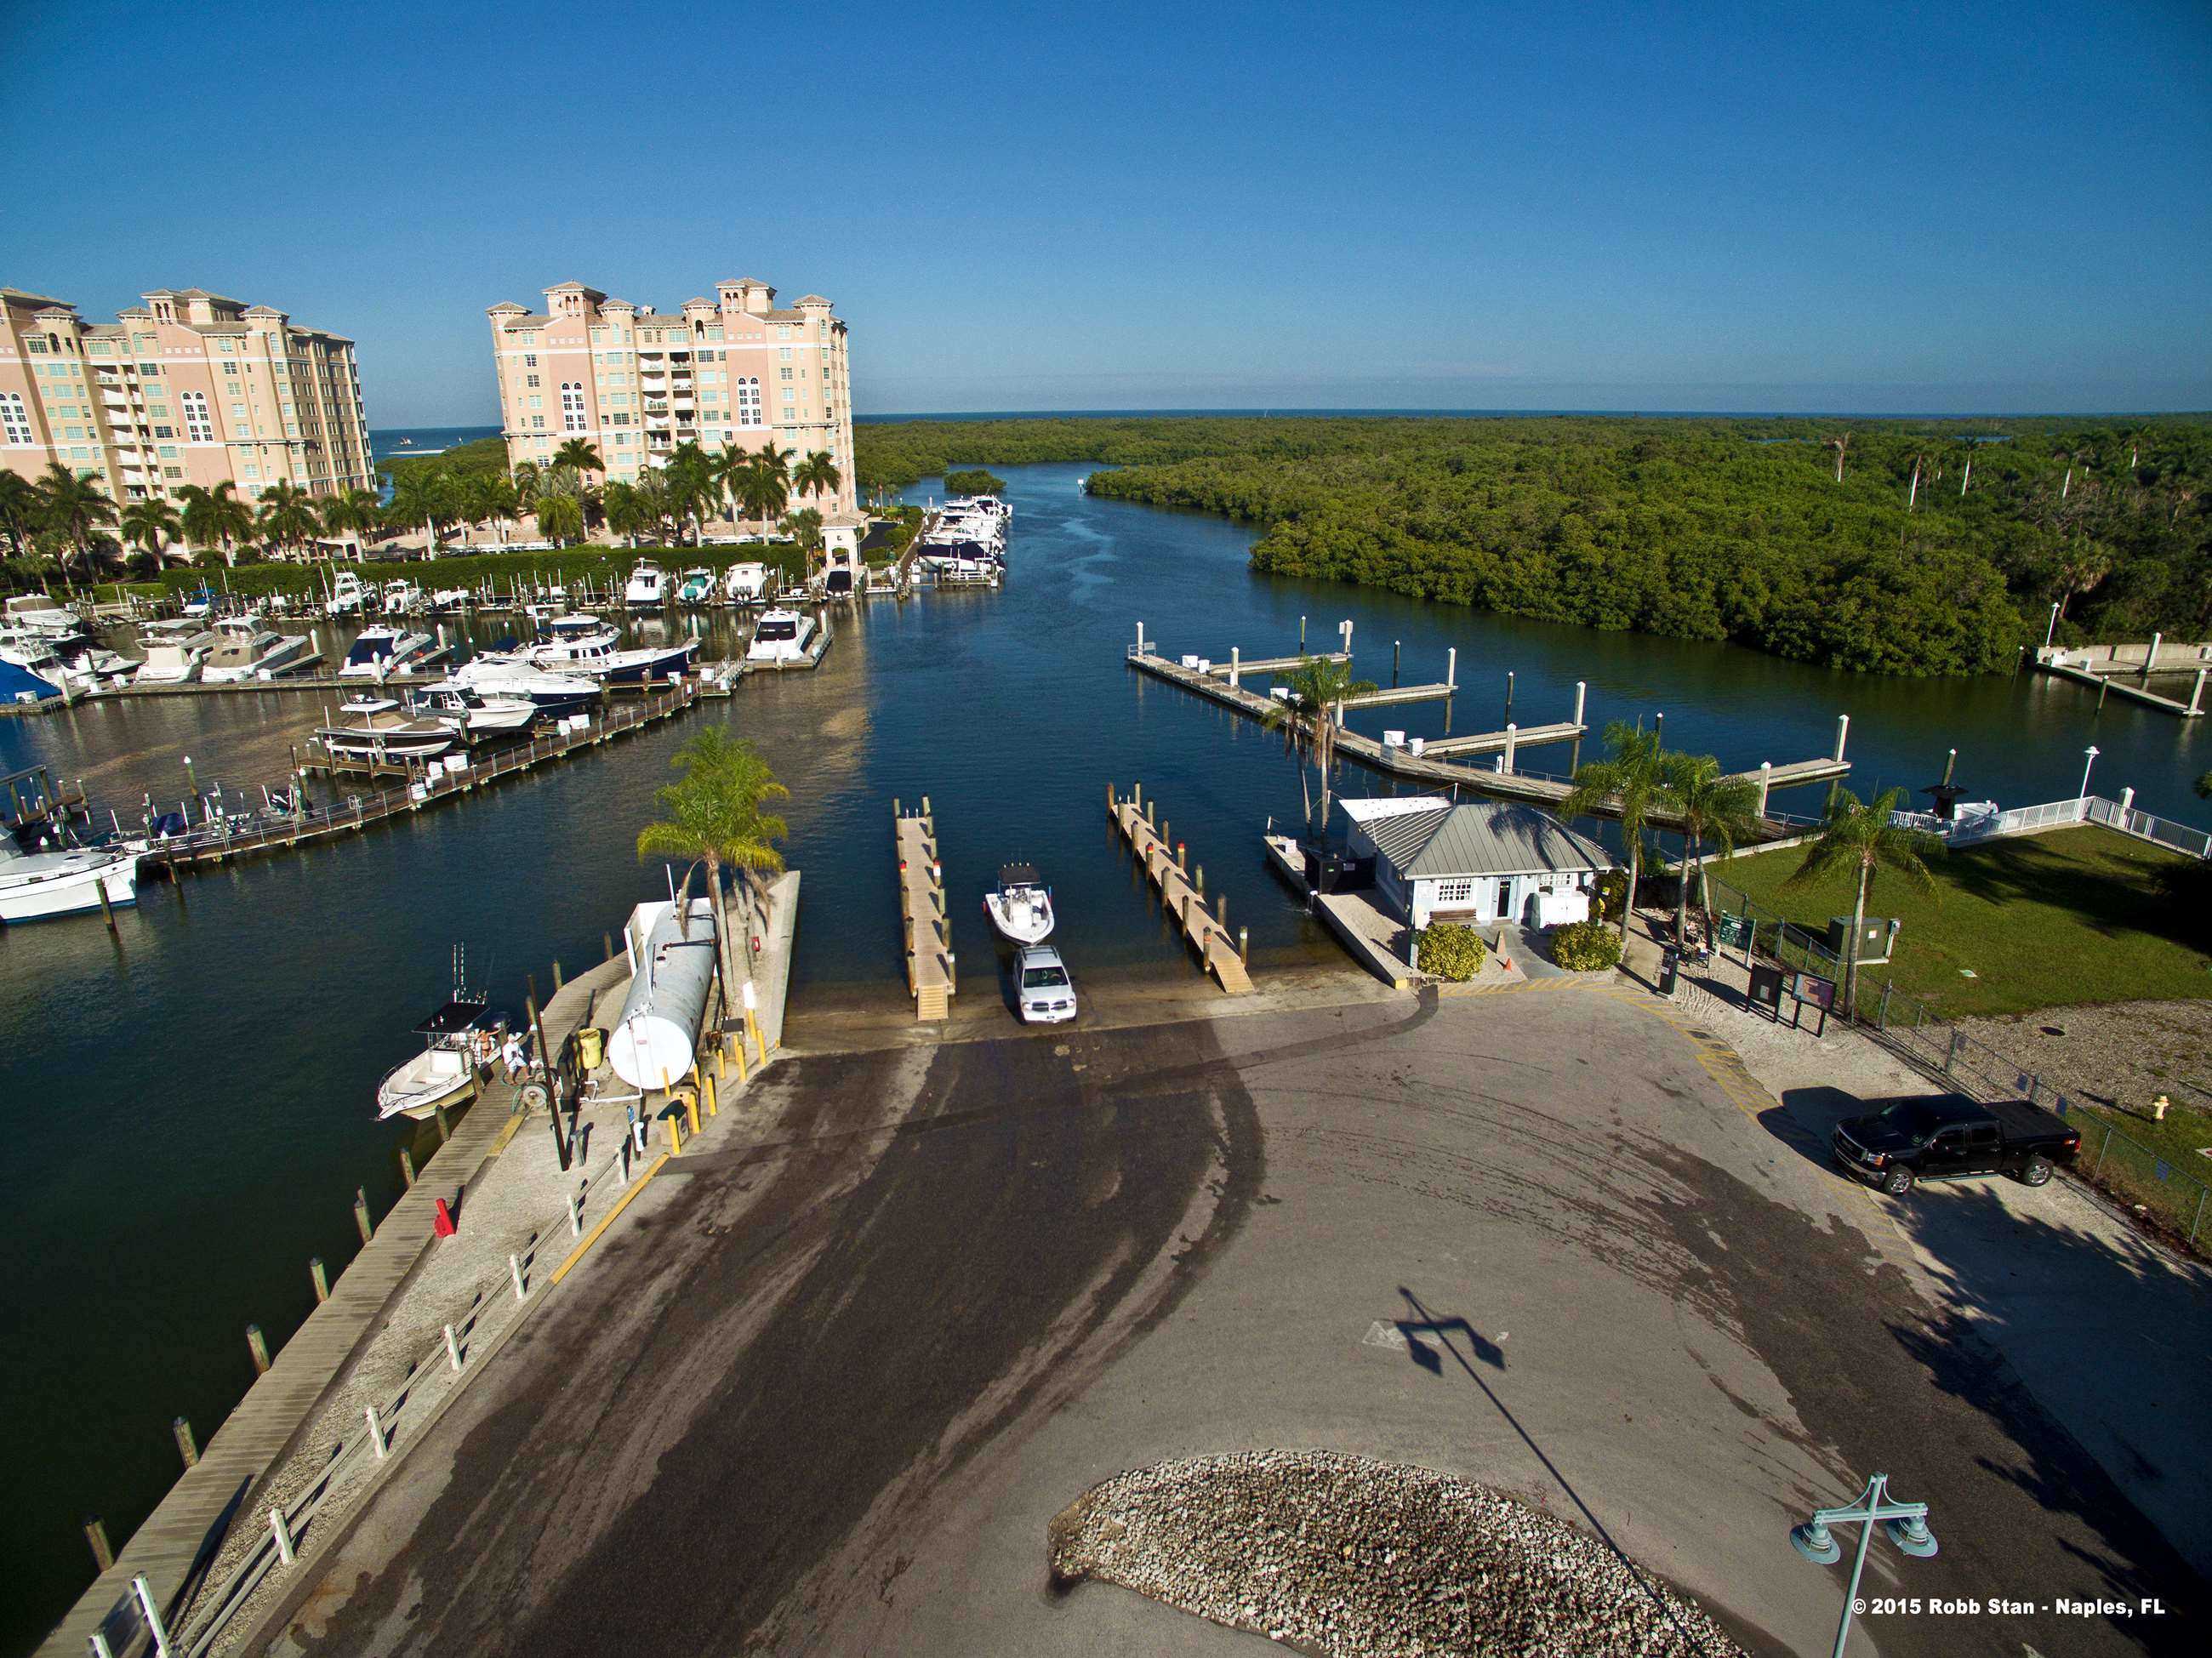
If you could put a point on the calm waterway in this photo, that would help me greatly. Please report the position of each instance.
(189, 1108)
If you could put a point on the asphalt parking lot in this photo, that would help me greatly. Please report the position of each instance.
(825, 1387)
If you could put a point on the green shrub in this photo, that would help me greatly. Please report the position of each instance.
(1612, 893)
(973, 482)
(1448, 950)
(1586, 947)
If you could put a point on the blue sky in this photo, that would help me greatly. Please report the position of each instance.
(1951, 207)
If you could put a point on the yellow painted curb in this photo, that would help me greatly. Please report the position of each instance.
(608, 1219)
(514, 1122)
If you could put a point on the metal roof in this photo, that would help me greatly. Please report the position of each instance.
(1489, 838)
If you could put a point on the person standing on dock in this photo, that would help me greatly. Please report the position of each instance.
(516, 1058)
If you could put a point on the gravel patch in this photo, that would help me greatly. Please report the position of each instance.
(1337, 1554)
(2126, 1053)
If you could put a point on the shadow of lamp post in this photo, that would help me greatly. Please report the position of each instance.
(1905, 1522)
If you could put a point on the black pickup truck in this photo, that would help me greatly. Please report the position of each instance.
(1944, 1136)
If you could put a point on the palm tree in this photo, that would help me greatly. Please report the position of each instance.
(715, 816)
(429, 499)
(560, 517)
(1310, 716)
(288, 515)
(628, 515)
(20, 510)
(353, 513)
(763, 490)
(74, 507)
(818, 475)
(694, 485)
(151, 525)
(1712, 807)
(1632, 780)
(217, 518)
(1842, 445)
(804, 529)
(528, 476)
(578, 453)
(1861, 838)
(730, 468)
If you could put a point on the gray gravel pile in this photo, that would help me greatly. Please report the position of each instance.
(1340, 1555)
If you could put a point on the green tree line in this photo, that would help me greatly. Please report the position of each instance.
(1883, 546)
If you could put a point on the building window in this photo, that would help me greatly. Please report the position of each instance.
(749, 401)
(238, 411)
(530, 359)
(538, 423)
(165, 431)
(36, 346)
(531, 380)
(199, 425)
(166, 451)
(1455, 892)
(230, 368)
(173, 471)
(15, 418)
(572, 406)
(537, 402)
(151, 370)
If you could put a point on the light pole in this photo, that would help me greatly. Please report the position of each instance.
(2051, 632)
(2091, 751)
(1905, 1522)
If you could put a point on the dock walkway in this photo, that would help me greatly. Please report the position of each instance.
(177, 1541)
(1179, 895)
(929, 976)
(1503, 781)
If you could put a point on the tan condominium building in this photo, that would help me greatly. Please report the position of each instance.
(188, 388)
(736, 370)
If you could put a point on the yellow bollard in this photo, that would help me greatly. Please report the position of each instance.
(707, 1087)
(675, 1137)
(753, 1025)
(722, 1056)
(691, 1111)
(741, 1061)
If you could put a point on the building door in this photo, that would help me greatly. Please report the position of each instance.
(1504, 900)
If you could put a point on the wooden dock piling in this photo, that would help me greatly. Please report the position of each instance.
(928, 928)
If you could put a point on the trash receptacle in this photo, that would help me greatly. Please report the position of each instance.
(1667, 966)
(590, 1046)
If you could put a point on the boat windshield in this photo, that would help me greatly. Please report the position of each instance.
(775, 630)
(370, 648)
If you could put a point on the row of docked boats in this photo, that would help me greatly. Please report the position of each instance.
(647, 587)
(966, 545)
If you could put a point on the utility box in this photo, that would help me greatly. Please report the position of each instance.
(1877, 938)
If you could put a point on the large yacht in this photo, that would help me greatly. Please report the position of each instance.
(478, 718)
(647, 589)
(379, 651)
(781, 636)
(585, 645)
(377, 726)
(745, 583)
(244, 649)
(554, 694)
(38, 613)
(175, 653)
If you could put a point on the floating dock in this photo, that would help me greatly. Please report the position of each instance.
(1179, 895)
(2123, 663)
(929, 976)
(1500, 779)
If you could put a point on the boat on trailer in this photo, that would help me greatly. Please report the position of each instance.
(1020, 906)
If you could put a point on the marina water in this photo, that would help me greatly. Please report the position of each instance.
(189, 1106)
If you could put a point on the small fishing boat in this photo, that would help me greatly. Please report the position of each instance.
(697, 587)
(401, 597)
(349, 595)
(647, 589)
(461, 1040)
(1021, 905)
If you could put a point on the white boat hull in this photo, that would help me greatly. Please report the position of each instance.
(418, 1088)
(1025, 920)
(34, 889)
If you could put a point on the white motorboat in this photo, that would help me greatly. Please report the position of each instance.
(585, 645)
(553, 694)
(697, 588)
(67, 662)
(244, 649)
(376, 727)
(478, 718)
(647, 589)
(175, 659)
(461, 1040)
(450, 601)
(401, 597)
(40, 614)
(745, 583)
(379, 651)
(781, 636)
(1020, 907)
(349, 595)
(36, 885)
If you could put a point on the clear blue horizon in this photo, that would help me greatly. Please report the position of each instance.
(1961, 208)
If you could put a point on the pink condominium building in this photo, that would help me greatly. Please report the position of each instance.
(187, 388)
(636, 383)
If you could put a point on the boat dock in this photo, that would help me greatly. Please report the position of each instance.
(220, 842)
(2111, 673)
(817, 649)
(1500, 779)
(1182, 895)
(929, 976)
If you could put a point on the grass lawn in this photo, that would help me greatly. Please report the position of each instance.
(2084, 915)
